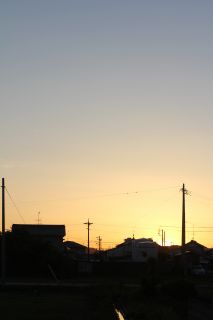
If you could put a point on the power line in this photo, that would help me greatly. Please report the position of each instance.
(124, 193)
(204, 227)
(203, 196)
(170, 227)
(199, 227)
(13, 202)
(200, 231)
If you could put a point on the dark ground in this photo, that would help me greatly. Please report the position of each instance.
(37, 304)
(149, 298)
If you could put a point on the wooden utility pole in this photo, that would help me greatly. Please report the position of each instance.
(88, 230)
(162, 234)
(38, 219)
(162, 238)
(99, 243)
(183, 238)
(3, 263)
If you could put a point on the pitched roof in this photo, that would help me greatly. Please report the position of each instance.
(74, 245)
(194, 243)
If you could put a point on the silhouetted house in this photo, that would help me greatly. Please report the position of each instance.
(136, 250)
(76, 250)
(174, 250)
(209, 254)
(194, 254)
(195, 247)
(209, 257)
(46, 233)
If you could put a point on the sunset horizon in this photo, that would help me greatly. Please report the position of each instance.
(106, 111)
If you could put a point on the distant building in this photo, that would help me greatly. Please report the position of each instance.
(76, 250)
(46, 233)
(136, 250)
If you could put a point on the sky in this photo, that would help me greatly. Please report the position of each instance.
(106, 110)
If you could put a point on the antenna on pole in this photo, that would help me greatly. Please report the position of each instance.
(162, 234)
(38, 219)
(99, 243)
(88, 230)
(3, 262)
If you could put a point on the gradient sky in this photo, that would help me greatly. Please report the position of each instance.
(104, 98)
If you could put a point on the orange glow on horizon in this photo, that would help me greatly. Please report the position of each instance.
(119, 215)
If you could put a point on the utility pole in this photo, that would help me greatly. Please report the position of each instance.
(162, 234)
(183, 239)
(164, 238)
(3, 264)
(39, 220)
(88, 230)
(99, 243)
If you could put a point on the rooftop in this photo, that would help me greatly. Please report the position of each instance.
(40, 229)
